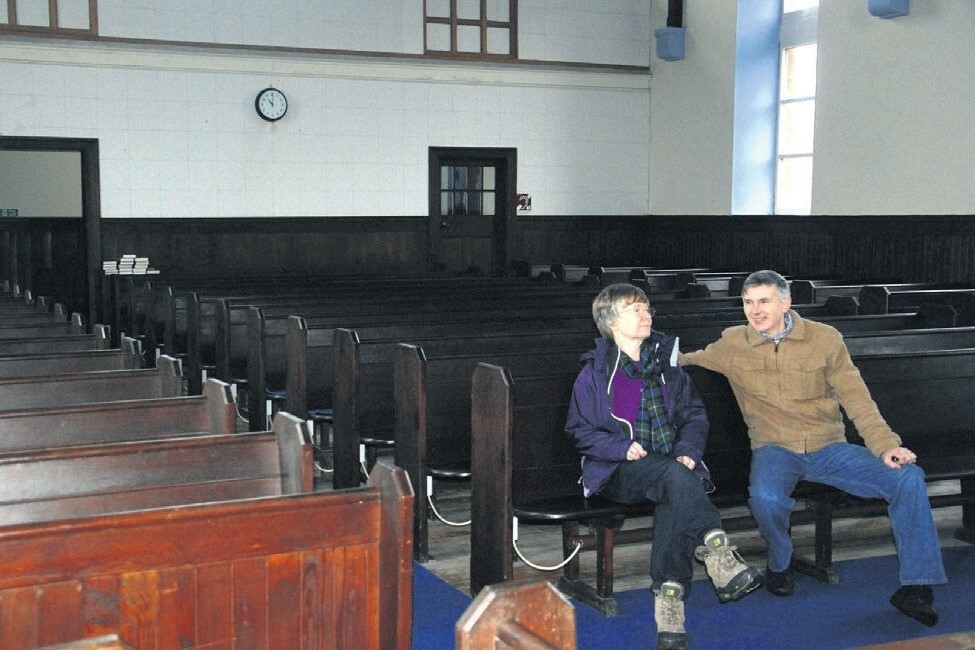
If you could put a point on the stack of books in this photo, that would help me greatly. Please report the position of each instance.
(126, 264)
(129, 265)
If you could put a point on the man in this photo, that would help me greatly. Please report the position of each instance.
(790, 377)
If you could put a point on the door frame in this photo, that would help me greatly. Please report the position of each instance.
(91, 210)
(503, 230)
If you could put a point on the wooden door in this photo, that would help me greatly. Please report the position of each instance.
(471, 209)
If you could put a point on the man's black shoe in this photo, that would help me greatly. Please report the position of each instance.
(915, 601)
(780, 583)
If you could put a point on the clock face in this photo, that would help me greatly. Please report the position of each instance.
(271, 104)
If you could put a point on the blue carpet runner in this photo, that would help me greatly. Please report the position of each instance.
(818, 616)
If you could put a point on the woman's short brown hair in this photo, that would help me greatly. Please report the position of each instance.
(607, 305)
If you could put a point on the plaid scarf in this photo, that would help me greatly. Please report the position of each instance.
(652, 427)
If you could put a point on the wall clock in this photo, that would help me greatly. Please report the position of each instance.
(271, 104)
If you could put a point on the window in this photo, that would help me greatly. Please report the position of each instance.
(471, 28)
(467, 190)
(797, 108)
(65, 16)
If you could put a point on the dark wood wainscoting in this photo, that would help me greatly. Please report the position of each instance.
(47, 256)
(916, 247)
(191, 247)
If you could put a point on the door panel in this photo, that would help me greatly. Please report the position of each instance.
(470, 209)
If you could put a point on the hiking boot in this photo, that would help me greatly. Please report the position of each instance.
(668, 612)
(732, 578)
(915, 601)
(780, 583)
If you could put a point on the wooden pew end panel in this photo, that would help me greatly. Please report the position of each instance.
(530, 615)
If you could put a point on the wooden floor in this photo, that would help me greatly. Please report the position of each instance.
(541, 545)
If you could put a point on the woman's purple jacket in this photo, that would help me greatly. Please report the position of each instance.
(602, 440)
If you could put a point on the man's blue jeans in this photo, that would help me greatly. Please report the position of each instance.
(853, 469)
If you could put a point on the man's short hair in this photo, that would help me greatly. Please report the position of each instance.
(606, 306)
(766, 277)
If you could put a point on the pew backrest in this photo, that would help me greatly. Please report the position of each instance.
(84, 480)
(212, 413)
(127, 357)
(324, 569)
(99, 339)
(166, 380)
(51, 328)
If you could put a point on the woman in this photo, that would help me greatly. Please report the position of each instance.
(641, 429)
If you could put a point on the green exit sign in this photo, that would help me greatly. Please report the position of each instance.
(9, 212)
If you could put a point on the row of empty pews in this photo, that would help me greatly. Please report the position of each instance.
(134, 515)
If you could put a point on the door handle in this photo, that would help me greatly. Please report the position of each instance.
(444, 225)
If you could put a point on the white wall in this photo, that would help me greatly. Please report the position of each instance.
(364, 25)
(179, 136)
(894, 126)
(594, 31)
(692, 113)
(895, 123)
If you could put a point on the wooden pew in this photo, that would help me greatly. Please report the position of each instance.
(570, 273)
(431, 427)
(127, 357)
(297, 571)
(883, 300)
(309, 343)
(718, 282)
(805, 290)
(59, 482)
(211, 319)
(99, 339)
(237, 330)
(310, 352)
(32, 314)
(896, 342)
(925, 397)
(612, 274)
(524, 467)
(166, 301)
(431, 418)
(655, 279)
(364, 401)
(24, 302)
(166, 380)
(51, 328)
(267, 330)
(532, 270)
(530, 615)
(212, 413)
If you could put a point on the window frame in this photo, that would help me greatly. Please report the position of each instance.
(483, 24)
(797, 29)
(12, 26)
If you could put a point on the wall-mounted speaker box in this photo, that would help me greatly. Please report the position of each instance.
(889, 8)
(670, 43)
